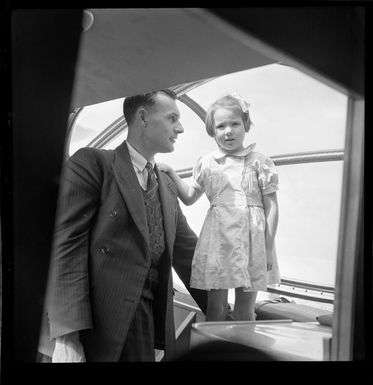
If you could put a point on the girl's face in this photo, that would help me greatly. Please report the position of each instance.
(229, 130)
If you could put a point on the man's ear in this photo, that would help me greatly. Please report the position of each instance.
(143, 115)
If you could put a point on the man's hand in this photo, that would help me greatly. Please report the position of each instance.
(68, 349)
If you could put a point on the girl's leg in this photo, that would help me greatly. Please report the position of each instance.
(217, 305)
(244, 306)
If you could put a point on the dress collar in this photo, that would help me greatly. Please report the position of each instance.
(137, 159)
(219, 153)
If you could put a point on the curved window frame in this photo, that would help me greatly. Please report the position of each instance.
(119, 125)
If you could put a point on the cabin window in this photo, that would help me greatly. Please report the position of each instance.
(295, 117)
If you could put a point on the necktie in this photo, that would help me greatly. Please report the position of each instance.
(152, 181)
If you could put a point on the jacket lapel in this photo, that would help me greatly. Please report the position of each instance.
(130, 188)
(168, 198)
(132, 194)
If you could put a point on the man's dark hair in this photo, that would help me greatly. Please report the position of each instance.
(132, 103)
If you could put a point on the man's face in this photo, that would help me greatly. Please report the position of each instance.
(163, 123)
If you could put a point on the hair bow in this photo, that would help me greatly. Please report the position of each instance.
(243, 103)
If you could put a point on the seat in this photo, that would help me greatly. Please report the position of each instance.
(283, 309)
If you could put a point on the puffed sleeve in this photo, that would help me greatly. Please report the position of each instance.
(268, 176)
(198, 175)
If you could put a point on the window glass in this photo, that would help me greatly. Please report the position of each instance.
(92, 120)
(291, 111)
(309, 206)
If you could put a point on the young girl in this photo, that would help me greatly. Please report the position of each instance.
(236, 247)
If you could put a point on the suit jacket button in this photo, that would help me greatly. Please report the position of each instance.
(113, 213)
(104, 250)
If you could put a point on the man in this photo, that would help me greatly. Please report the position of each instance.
(118, 232)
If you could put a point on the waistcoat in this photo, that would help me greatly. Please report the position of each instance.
(154, 220)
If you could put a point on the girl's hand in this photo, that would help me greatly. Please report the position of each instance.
(269, 253)
(164, 167)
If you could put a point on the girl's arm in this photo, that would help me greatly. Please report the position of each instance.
(271, 214)
(187, 193)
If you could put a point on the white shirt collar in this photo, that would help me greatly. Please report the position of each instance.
(137, 159)
(219, 153)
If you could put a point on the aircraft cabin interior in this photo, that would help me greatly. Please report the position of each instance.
(71, 72)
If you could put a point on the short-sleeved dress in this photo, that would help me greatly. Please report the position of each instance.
(230, 251)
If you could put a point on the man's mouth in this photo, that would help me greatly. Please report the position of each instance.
(173, 140)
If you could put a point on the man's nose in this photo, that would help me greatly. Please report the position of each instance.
(179, 128)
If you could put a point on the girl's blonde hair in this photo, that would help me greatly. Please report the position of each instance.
(229, 102)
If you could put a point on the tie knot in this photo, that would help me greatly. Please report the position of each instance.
(152, 180)
(149, 167)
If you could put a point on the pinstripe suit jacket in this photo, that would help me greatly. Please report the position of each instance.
(101, 254)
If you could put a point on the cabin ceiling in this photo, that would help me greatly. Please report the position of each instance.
(129, 51)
